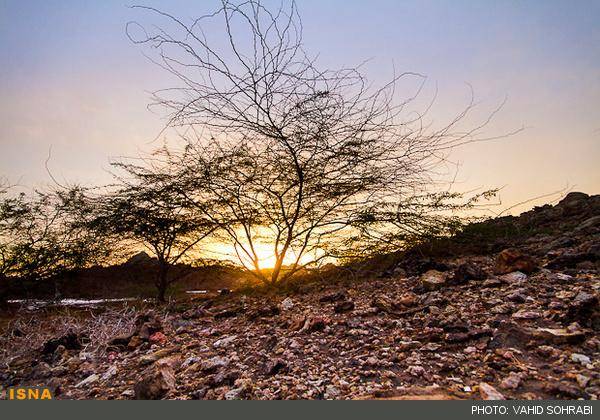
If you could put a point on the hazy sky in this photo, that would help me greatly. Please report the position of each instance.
(71, 80)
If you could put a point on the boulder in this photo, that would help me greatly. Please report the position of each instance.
(511, 260)
(345, 306)
(573, 202)
(468, 271)
(156, 384)
(433, 280)
(147, 324)
(488, 392)
(558, 335)
(588, 223)
(585, 309)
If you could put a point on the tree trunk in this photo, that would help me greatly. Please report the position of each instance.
(162, 281)
(3, 291)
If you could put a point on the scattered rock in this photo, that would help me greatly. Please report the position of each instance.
(345, 306)
(111, 371)
(234, 394)
(488, 392)
(588, 223)
(433, 280)
(468, 271)
(331, 393)
(582, 380)
(157, 355)
(415, 370)
(214, 363)
(514, 277)
(264, 312)
(511, 260)
(525, 314)
(583, 308)
(561, 389)
(223, 378)
(558, 335)
(580, 358)
(225, 342)
(531, 336)
(89, 380)
(147, 324)
(158, 338)
(275, 366)
(314, 325)
(570, 259)
(512, 381)
(287, 304)
(155, 384)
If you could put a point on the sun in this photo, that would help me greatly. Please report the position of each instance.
(265, 252)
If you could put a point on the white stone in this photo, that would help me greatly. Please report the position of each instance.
(580, 358)
(112, 371)
(287, 304)
(224, 342)
(90, 379)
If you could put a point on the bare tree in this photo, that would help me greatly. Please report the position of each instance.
(143, 210)
(280, 151)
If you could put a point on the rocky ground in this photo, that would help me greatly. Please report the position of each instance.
(519, 323)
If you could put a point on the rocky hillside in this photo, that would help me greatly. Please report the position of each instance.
(508, 309)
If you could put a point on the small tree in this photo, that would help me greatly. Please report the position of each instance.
(284, 153)
(143, 209)
(45, 234)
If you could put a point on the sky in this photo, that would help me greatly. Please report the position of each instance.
(74, 87)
